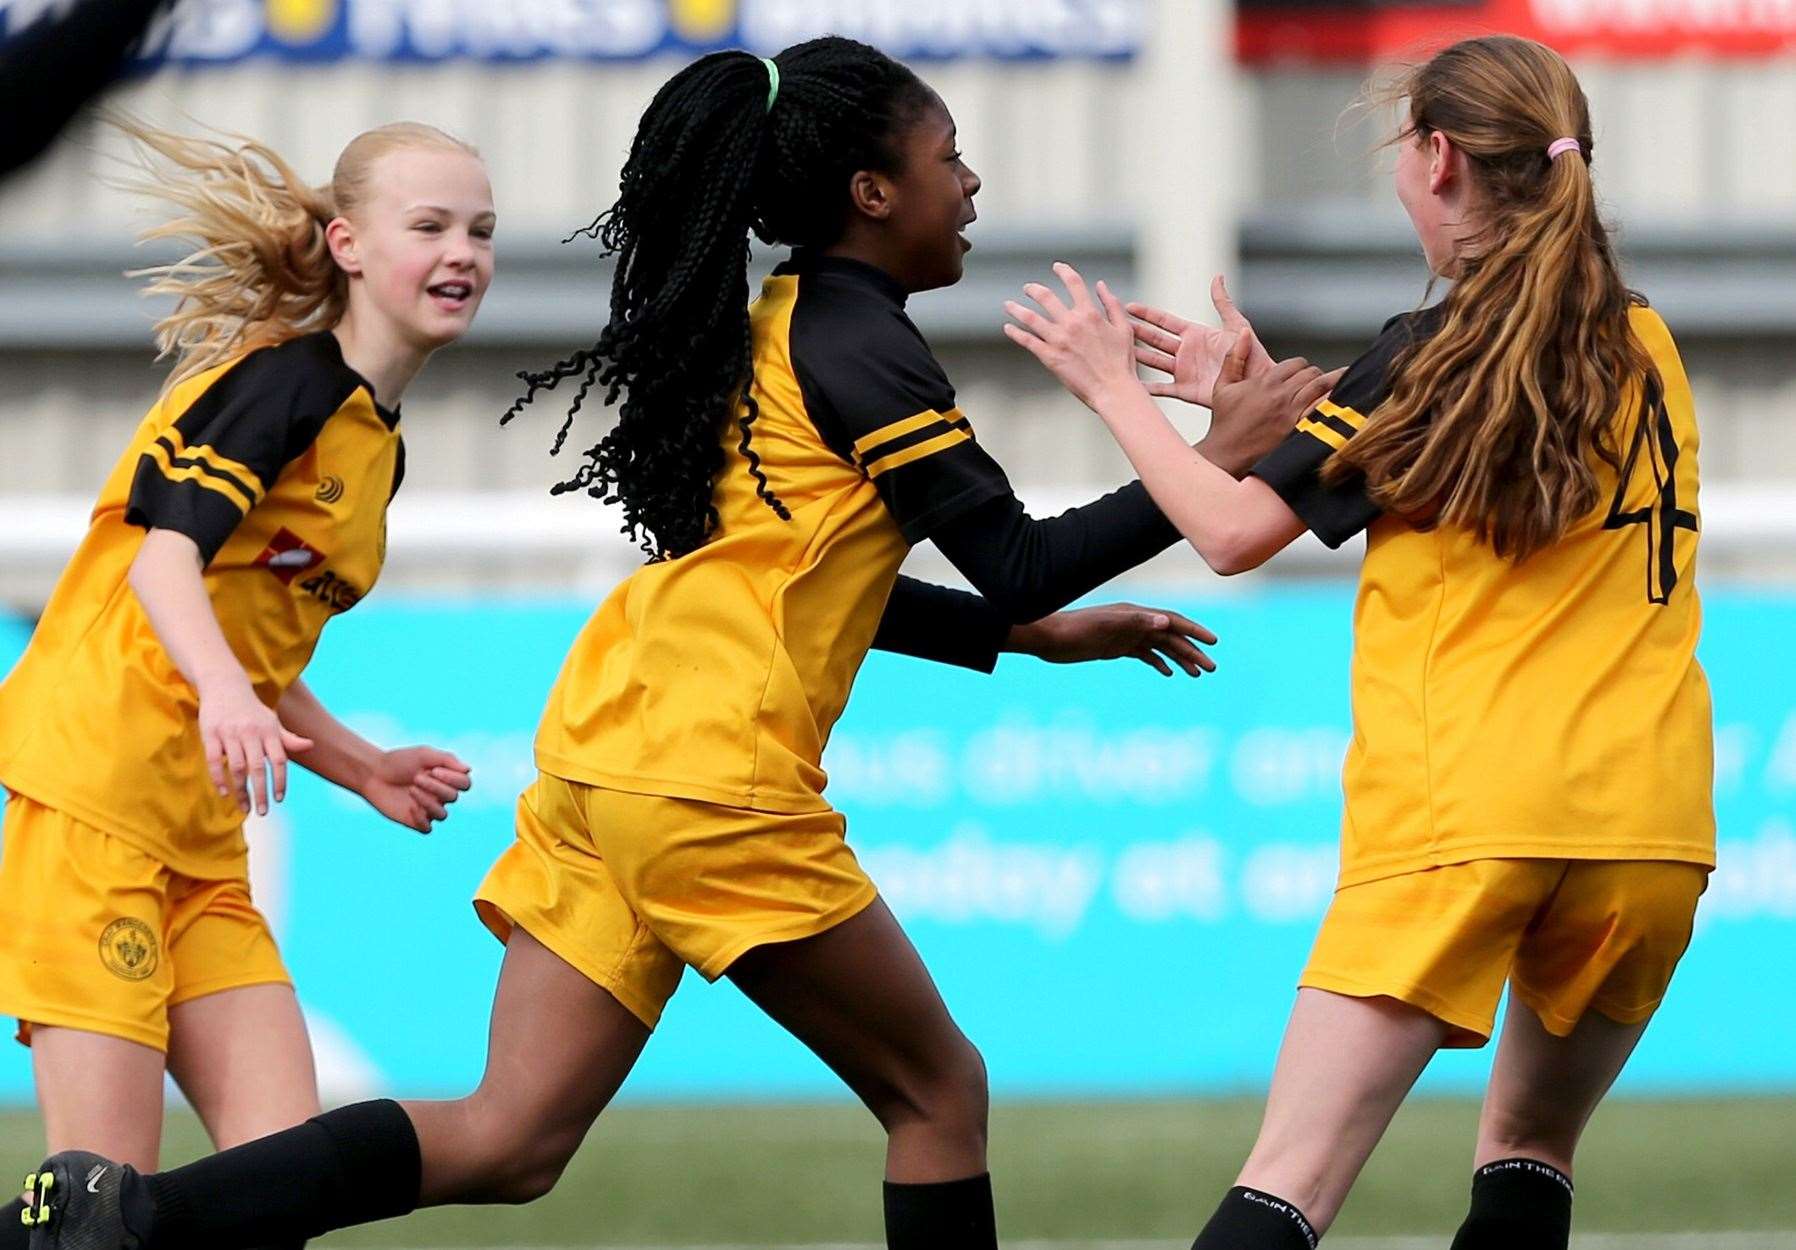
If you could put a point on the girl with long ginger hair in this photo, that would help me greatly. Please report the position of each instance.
(1528, 788)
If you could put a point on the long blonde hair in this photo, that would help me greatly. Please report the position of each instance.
(261, 271)
(1495, 422)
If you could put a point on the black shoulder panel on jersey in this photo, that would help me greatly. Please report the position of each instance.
(220, 456)
(881, 400)
(1335, 513)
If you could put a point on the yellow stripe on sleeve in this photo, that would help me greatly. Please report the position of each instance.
(1323, 431)
(223, 464)
(213, 460)
(200, 476)
(898, 429)
(927, 447)
(1351, 416)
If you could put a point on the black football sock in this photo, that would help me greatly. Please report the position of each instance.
(350, 1166)
(947, 1215)
(13, 1233)
(1251, 1220)
(1517, 1204)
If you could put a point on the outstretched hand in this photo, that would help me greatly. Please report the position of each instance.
(1115, 631)
(1190, 352)
(1087, 343)
(414, 786)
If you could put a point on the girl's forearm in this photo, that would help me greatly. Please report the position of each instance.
(338, 753)
(1234, 525)
(166, 577)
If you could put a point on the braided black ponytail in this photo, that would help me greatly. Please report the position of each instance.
(711, 162)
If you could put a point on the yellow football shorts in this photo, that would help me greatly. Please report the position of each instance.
(102, 937)
(1568, 936)
(631, 888)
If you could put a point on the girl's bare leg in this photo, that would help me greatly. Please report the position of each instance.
(1543, 1089)
(559, 1047)
(99, 1093)
(1344, 1068)
(859, 996)
(244, 1060)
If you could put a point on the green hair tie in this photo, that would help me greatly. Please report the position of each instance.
(773, 81)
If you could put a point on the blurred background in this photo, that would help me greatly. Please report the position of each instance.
(1114, 876)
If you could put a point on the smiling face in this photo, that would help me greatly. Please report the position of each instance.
(931, 202)
(419, 248)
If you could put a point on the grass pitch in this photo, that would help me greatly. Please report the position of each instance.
(1077, 1174)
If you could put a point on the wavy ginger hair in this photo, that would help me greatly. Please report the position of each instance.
(1497, 422)
(261, 271)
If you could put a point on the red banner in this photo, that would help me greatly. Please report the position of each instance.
(1638, 29)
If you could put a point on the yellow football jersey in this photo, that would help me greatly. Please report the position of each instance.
(279, 465)
(1553, 707)
(718, 675)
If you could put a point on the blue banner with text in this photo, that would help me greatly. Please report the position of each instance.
(1114, 876)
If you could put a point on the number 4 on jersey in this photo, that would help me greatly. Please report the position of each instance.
(1662, 518)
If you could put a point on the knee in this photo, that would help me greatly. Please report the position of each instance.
(1513, 1133)
(949, 1093)
(514, 1171)
(525, 1176)
(516, 1157)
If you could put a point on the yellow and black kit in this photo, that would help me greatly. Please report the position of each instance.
(1550, 709)
(680, 815)
(279, 465)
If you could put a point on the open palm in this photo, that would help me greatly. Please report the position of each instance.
(1191, 353)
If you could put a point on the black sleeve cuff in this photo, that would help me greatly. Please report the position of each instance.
(943, 625)
(1333, 513)
(203, 515)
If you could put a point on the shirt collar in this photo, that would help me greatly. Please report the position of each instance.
(806, 261)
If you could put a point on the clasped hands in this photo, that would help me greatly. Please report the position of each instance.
(1093, 343)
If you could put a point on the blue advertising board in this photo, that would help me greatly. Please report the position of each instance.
(1114, 876)
(216, 32)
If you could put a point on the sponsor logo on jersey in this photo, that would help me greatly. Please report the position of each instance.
(287, 555)
(128, 949)
(332, 591)
(330, 490)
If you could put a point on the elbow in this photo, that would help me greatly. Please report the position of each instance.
(1231, 553)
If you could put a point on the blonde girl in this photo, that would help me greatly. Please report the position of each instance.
(1528, 788)
(160, 699)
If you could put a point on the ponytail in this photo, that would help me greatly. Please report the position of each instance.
(718, 154)
(1495, 422)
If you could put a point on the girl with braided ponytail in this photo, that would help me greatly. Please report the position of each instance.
(160, 697)
(1528, 789)
(777, 462)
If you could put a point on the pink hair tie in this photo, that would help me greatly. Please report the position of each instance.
(1561, 146)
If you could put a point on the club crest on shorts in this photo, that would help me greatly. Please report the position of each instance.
(128, 949)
